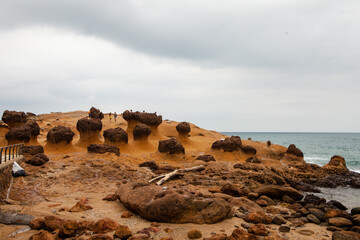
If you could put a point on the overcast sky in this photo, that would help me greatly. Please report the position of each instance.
(249, 65)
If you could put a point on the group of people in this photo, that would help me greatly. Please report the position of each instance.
(115, 116)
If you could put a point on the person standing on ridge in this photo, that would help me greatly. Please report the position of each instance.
(115, 116)
(110, 116)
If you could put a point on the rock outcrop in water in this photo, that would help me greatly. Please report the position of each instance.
(115, 135)
(153, 203)
(14, 118)
(336, 165)
(60, 134)
(171, 146)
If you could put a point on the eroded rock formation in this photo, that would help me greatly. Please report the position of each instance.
(103, 148)
(228, 144)
(95, 113)
(183, 128)
(60, 134)
(150, 119)
(115, 135)
(153, 203)
(89, 129)
(14, 118)
(171, 146)
(141, 131)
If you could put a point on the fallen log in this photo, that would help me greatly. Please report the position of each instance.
(172, 174)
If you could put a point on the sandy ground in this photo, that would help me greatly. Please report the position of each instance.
(73, 174)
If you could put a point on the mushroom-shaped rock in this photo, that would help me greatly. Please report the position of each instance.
(171, 146)
(150, 119)
(89, 125)
(14, 118)
(38, 160)
(293, 155)
(141, 131)
(153, 203)
(248, 150)
(116, 135)
(337, 164)
(103, 148)
(95, 113)
(18, 134)
(32, 150)
(130, 116)
(228, 144)
(33, 127)
(183, 128)
(60, 134)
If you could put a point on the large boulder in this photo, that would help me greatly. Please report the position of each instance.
(103, 148)
(337, 165)
(95, 113)
(183, 128)
(293, 155)
(228, 144)
(277, 192)
(141, 131)
(171, 146)
(33, 127)
(89, 125)
(60, 134)
(154, 203)
(292, 149)
(14, 118)
(116, 135)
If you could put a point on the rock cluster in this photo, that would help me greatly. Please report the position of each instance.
(32, 150)
(60, 134)
(231, 144)
(116, 135)
(23, 132)
(150, 119)
(153, 203)
(171, 146)
(103, 148)
(38, 160)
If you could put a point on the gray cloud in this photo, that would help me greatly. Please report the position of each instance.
(248, 66)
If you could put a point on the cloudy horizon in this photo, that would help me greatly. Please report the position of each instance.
(247, 66)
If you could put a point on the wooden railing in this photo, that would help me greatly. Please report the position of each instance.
(10, 152)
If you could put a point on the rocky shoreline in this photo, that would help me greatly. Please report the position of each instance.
(251, 190)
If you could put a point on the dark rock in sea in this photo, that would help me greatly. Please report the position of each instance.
(171, 146)
(96, 113)
(116, 135)
(38, 160)
(150, 164)
(229, 144)
(153, 203)
(89, 125)
(60, 134)
(14, 118)
(337, 204)
(248, 150)
(277, 192)
(292, 149)
(103, 148)
(206, 158)
(355, 211)
(141, 131)
(183, 128)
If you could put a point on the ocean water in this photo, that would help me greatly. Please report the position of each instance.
(318, 148)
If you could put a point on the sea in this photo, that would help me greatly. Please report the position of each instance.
(318, 148)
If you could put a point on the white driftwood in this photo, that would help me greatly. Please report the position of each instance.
(166, 177)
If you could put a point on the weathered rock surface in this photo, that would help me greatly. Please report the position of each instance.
(32, 150)
(89, 125)
(60, 134)
(336, 165)
(96, 113)
(42, 235)
(150, 119)
(171, 146)
(38, 160)
(183, 128)
(18, 134)
(103, 148)
(277, 192)
(141, 131)
(14, 118)
(206, 158)
(153, 203)
(229, 144)
(105, 225)
(116, 135)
